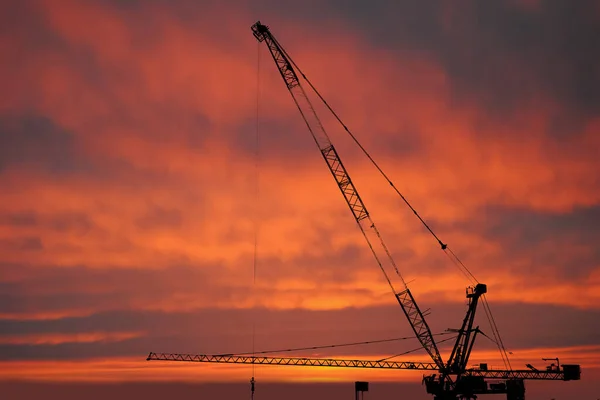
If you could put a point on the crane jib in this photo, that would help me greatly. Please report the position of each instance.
(554, 375)
(367, 226)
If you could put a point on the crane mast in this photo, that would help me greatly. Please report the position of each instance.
(353, 200)
(459, 357)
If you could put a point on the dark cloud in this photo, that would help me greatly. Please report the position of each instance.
(160, 217)
(19, 219)
(27, 243)
(62, 351)
(279, 139)
(267, 390)
(494, 52)
(71, 222)
(42, 289)
(536, 224)
(24, 22)
(225, 391)
(90, 82)
(552, 50)
(216, 331)
(62, 222)
(38, 141)
(51, 288)
(404, 144)
(288, 142)
(552, 241)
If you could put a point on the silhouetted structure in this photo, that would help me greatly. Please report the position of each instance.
(453, 379)
(361, 387)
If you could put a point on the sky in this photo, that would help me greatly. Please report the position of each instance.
(160, 192)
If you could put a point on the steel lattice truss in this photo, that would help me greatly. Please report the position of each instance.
(361, 215)
(332, 362)
(517, 374)
(451, 381)
(345, 184)
(315, 362)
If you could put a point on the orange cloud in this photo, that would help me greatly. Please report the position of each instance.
(148, 200)
(58, 338)
(127, 369)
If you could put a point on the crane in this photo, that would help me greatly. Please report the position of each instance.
(452, 379)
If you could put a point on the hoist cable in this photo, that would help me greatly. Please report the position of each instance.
(501, 347)
(329, 346)
(256, 212)
(364, 233)
(443, 246)
(495, 333)
(489, 338)
(460, 265)
(451, 255)
(448, 251)
(464, 271)
(414, 350)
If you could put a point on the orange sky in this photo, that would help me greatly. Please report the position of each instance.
(128, 176)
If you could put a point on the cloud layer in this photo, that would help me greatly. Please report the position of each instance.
(133, 186)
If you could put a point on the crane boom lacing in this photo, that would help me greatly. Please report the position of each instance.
(361, 215)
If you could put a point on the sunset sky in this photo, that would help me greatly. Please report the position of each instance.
(132, 189)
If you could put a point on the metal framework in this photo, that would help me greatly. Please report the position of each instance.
(554, 375)
(353, 200)
(518, 374)
(453, 379)
(459, 357)
(297, 361)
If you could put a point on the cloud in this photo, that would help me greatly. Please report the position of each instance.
(160, 217)
(55, 339)
(223, 330)
(127, 150)
(37, 140)
(503, 54)
(559, 243)
(66, 222)
(142, 170)
(25, 244)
